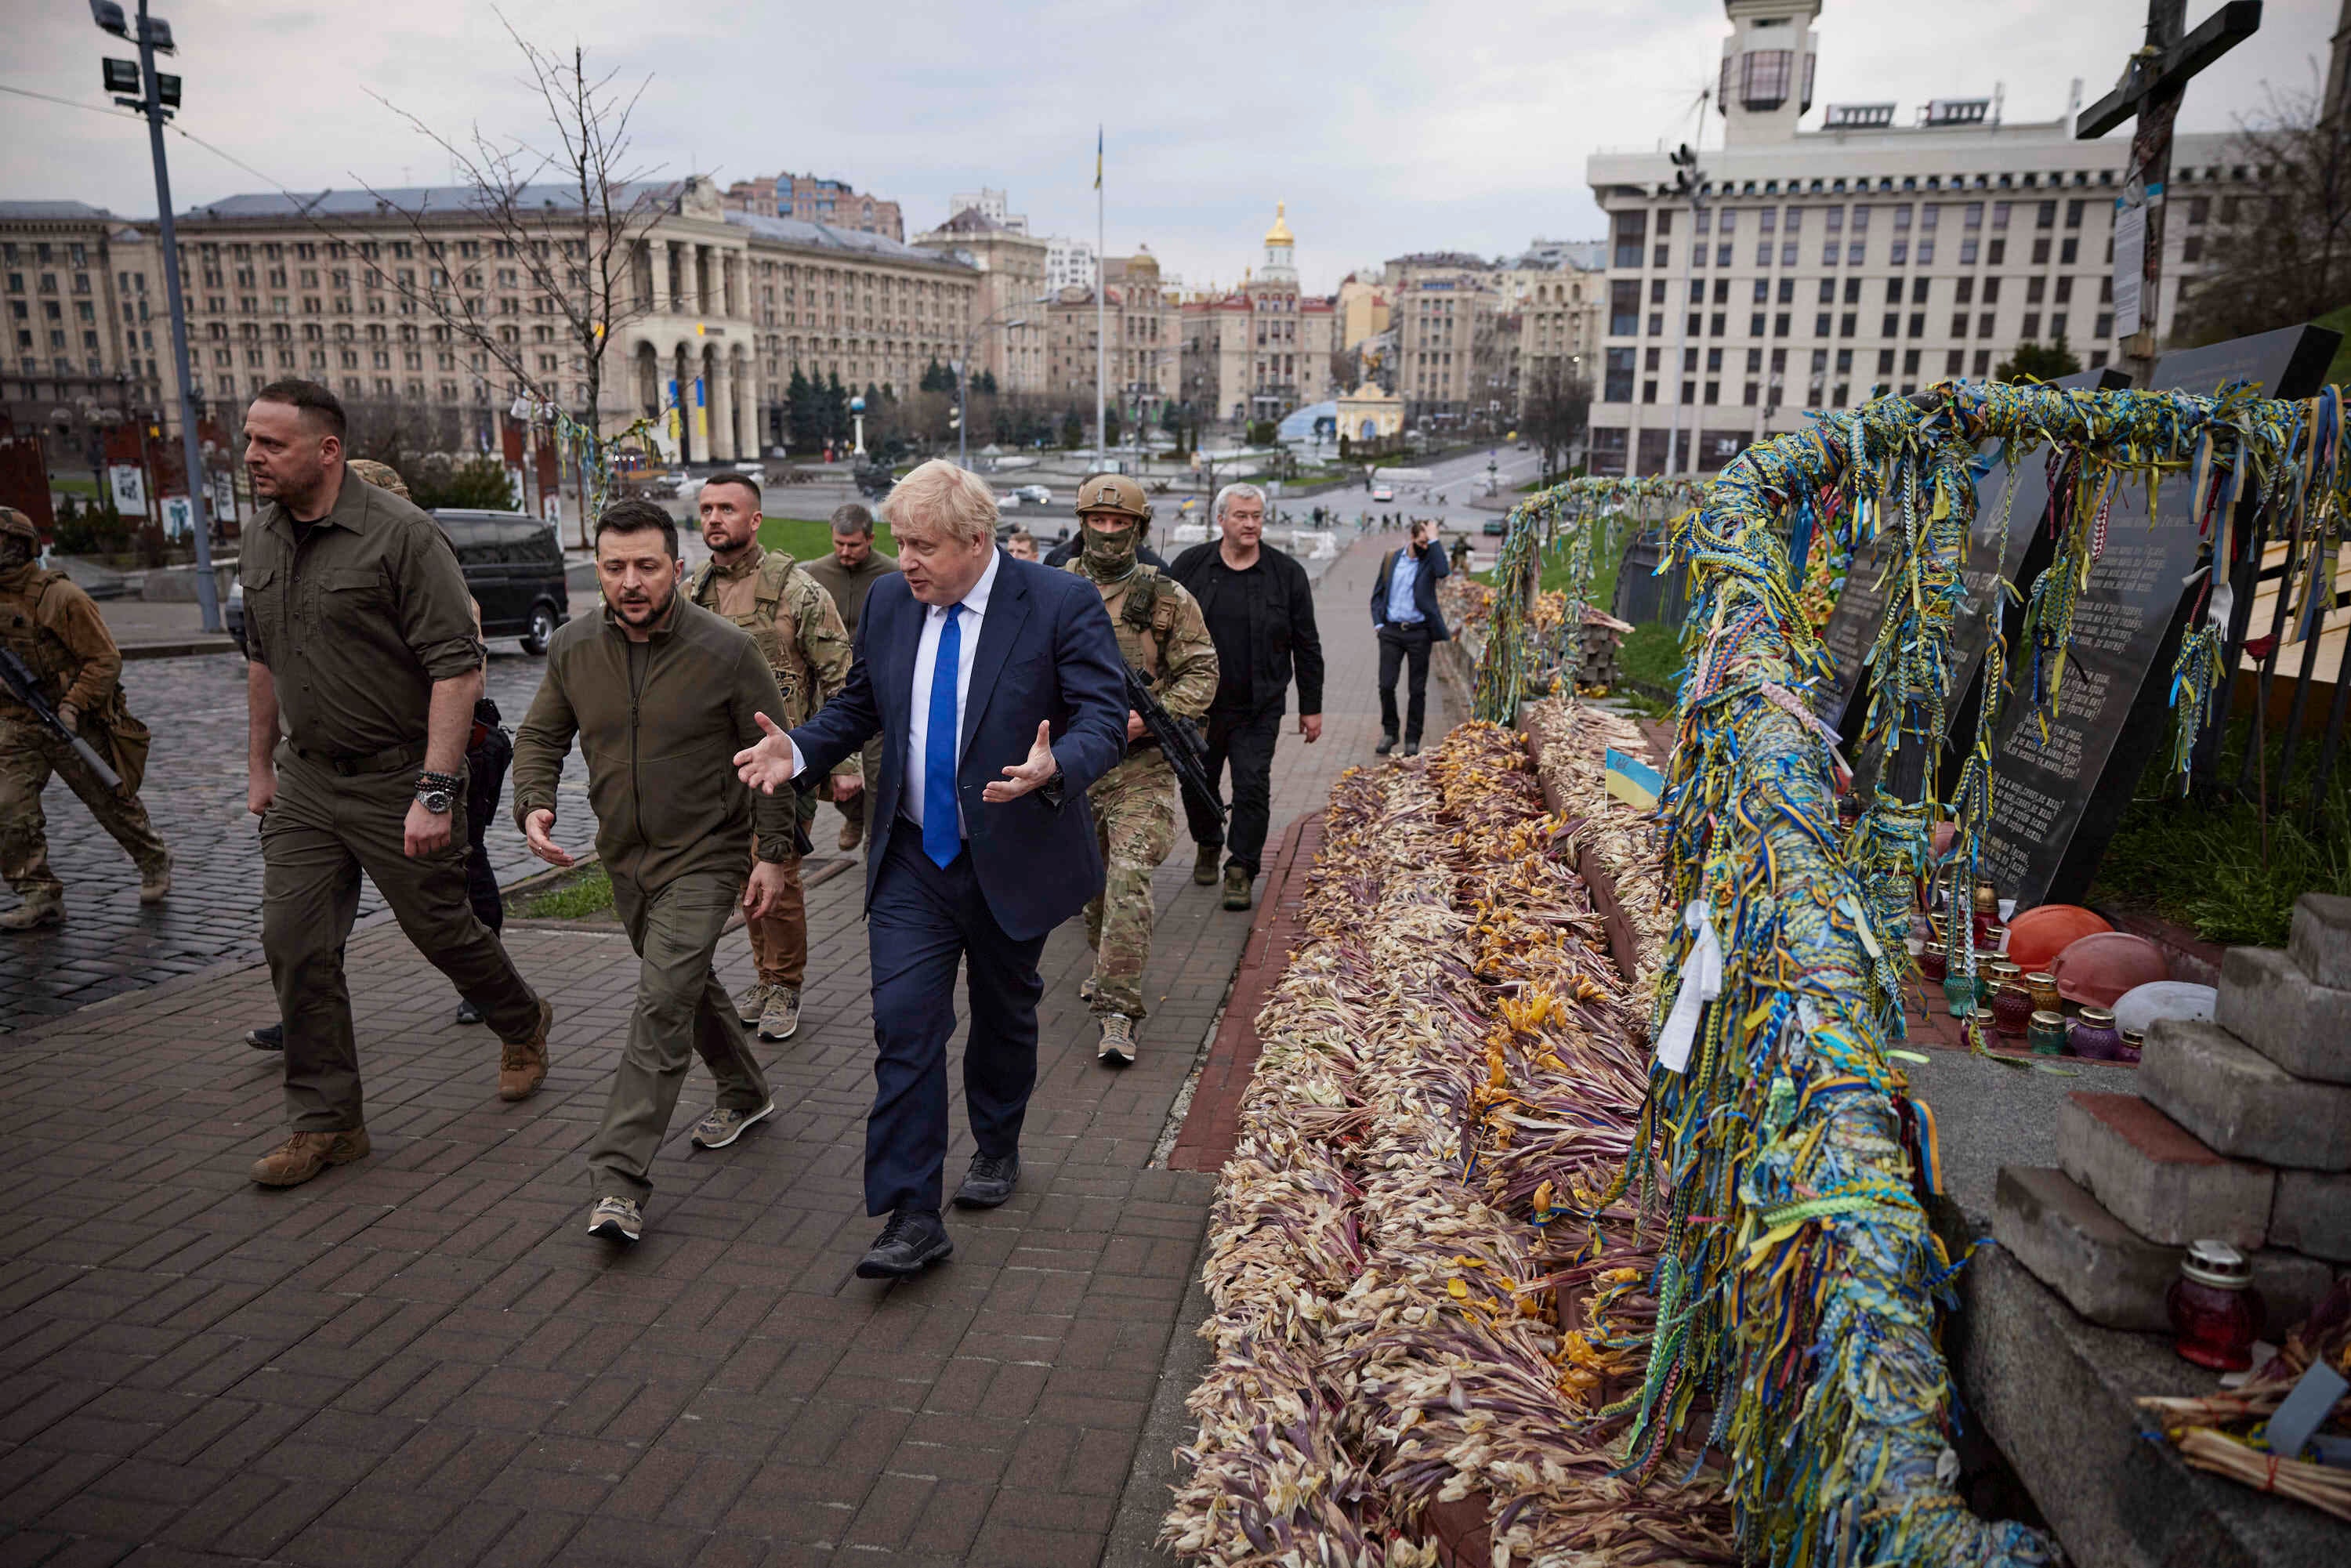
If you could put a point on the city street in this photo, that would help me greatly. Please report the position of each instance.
(421, 1358)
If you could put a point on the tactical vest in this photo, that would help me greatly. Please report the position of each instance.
(1145, 619)
(790, 669)
(53, 664)
(110, 727)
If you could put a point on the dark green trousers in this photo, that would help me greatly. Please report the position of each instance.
(681, 1010)
(322, 833)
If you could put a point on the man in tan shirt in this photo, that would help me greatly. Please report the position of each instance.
(799, 631)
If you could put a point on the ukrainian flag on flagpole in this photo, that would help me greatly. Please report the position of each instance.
(1098, 156)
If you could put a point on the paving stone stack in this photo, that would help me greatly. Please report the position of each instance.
(2242, 1134)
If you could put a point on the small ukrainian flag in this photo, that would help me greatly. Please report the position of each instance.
(1633, 781)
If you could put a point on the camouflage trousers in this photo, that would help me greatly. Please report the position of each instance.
(29, 753)
(1134, 821)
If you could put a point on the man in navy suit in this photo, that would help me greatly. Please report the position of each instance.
(998, 692)
(1403, 609)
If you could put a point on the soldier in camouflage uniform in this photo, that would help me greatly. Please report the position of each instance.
(1165, 640)
(796, 626)
(55, 628)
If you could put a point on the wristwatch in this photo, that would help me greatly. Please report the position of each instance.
(436, 793)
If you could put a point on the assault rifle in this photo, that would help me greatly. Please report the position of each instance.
(1179, 742)
(19, 678)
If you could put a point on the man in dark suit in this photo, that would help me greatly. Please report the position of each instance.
(1403, 609)
(999, 696)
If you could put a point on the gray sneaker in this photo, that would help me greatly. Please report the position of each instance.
(725, 1124)
(616, 1220)
(781, 1016)
(752, 1001)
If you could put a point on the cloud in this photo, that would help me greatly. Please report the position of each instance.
(1386, 129)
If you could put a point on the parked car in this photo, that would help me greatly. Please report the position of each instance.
(1497, 526)
(514, 569)
(1384, 492)
(1037, 495)
(1008, 502)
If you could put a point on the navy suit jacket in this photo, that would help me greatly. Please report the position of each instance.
(1433, 566)
(1046, 655)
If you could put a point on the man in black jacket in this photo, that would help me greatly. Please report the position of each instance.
(1260, 614)
(1403, 609)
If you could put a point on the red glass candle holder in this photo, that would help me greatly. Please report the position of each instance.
(2012, 1009)
(2216, 1314)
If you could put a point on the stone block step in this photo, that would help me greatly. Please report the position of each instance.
(2239, 1102)
(2109, 1273)
(2313, 1214)
(2321, 944)
(2153, 1175)
(2269, 1003)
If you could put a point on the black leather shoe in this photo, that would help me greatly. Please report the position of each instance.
(1412, 749)
(1386, 745)
(989, 1182)
(910, 1243)
(466, 1011)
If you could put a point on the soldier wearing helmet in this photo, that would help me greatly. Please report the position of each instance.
(54, 628)
(1164, 638)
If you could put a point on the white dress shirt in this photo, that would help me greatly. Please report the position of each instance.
(926, 658)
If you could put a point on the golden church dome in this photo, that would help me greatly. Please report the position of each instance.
(1279, 233)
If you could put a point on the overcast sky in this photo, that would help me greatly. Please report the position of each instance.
(1387, 128)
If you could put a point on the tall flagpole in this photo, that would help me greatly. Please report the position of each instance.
(1101, 291)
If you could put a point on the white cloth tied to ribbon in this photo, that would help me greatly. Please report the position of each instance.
(1701, 983)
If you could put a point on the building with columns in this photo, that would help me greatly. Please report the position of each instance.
(88, 329)
(338, 288)
(1009, 310)
(1262, 349)
(1452, 348)
(1862, 255)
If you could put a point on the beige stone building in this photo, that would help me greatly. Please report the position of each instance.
(1262, 349)
(1140, 369)
(89, 328)
(1452, 362)
(1011, 266)
(1551, 296)
(726, 306)
(1362, 309)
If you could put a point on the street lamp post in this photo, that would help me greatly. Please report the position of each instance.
(158, 95)
(963, 376)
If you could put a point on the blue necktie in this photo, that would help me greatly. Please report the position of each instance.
(942, 837)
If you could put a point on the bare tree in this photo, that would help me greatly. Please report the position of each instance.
(566, 216)
(2282, 257)
(1554, 404)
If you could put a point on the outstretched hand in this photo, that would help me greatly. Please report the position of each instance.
(1024, 776)
(537, 832)
(771, 763)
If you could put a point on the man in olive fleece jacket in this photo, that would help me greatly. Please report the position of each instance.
(661, 693)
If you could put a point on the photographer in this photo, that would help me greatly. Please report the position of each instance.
(1404, 608)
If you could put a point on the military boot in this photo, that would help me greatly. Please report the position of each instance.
(155, 882)
(1237, 887)
(305, 1154)
(1204, 869)
(40, 907)
(522, 1064)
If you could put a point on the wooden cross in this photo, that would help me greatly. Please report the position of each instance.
(2153, 83)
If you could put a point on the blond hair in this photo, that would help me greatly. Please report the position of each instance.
(957, 502)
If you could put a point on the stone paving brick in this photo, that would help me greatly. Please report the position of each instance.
(422, 1358)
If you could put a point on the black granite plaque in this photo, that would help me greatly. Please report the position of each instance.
(1851, 632)
(2055, 801)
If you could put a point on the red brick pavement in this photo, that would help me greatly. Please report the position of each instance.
(422, 1358)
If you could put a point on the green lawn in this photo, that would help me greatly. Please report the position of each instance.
(805, 539)
(583, 897)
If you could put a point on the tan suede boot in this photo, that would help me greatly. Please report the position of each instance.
(522, 1064)
(305, 1154)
